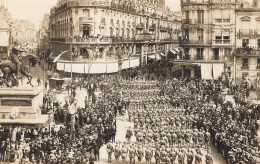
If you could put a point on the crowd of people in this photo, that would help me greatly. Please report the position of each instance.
(175, 120)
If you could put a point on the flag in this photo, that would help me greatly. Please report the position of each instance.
(57, 58)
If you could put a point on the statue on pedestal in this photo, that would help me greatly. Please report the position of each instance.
(16, 66)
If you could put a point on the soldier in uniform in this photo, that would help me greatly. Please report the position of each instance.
(181, 157)
(209, 159)
(110, 150)
(148, 155)
(173, 155)
(140, 154)
(157, 155)
(198, 157)
(132, 154)
(190, 157)
(124, 153)
(117, 152)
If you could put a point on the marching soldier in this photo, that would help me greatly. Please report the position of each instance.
(140, 154)
(117, 152)
(132, 154)
(209, 159)
(189, 157)
(148, 155)
(173, 155)
(198, 157)
(124, 153)
(157, 155)
(110, 150)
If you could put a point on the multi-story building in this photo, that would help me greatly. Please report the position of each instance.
(106, 36)
(4, 39)
(23, 31)
(208, 38)
(247, 56)
(44, 34)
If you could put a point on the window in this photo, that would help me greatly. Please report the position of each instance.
(216, 54)
(244, 63)
(258, 43)
(186, 34)
(86, 12)
(245, 42)
(187, 16)
(200, 16)
(186, 53)
(227, 52)
(258, 63)
(244, 75)
(111, 31)
(199, 54)
(200, 35)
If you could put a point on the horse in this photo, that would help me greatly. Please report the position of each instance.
(8, 68)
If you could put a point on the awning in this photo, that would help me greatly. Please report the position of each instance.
(172, 51)
(158, 57)
(218, 69)
(162, 54)
(206, 71)
(151, 56)
(176, 49)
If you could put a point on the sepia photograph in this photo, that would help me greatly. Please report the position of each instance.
(129, 81)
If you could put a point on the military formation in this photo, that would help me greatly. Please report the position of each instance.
(175, 120)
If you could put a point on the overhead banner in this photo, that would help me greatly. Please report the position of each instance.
(206, 71)
(218, 69)
(60, 66)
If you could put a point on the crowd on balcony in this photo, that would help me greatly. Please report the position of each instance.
(246, 50)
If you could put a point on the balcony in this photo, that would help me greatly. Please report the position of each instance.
(245, 33)
(152, 27)
(195, 42)
(244, 67)
(198, 57)
(84, 20)
(140, 26)
(90, 40)
(165, 29)
(122, 40)
(247, 51)
(217, 58)
(186, 21)
(257, 33)
(198, 21)
(223, 1)
(58, 39)
(222, 42)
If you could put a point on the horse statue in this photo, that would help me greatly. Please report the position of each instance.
(9, 70)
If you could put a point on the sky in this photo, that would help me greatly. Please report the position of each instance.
(34, 10)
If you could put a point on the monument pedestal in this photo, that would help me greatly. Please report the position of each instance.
(21, 106)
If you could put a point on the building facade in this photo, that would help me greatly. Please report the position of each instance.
(247, 56)
(44, 34)
(106, 36)
(208, 38)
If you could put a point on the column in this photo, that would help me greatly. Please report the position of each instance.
(258, 130)
(182, 71)
(192, 72)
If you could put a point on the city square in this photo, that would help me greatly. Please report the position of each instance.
(130, 81)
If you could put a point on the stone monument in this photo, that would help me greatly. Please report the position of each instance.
(21, 105)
